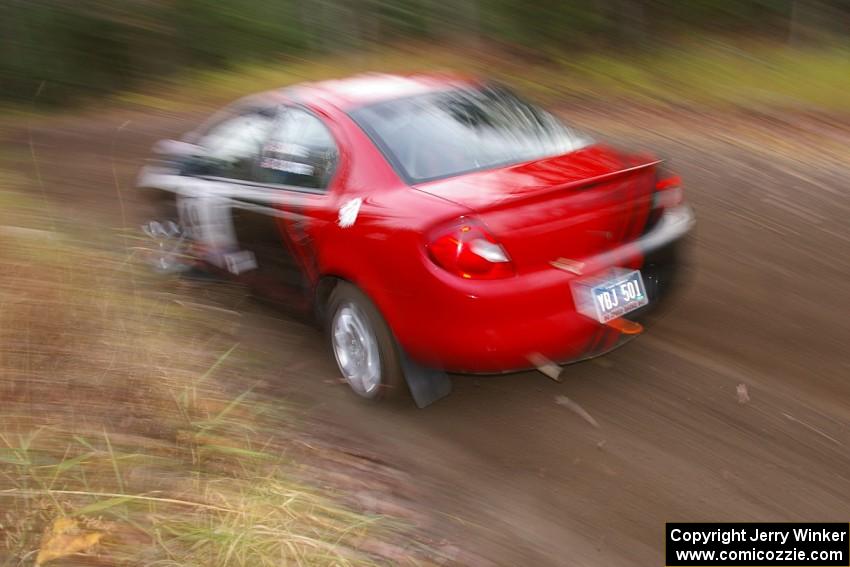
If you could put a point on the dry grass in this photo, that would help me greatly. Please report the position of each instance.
(700, 72)
(122, 438)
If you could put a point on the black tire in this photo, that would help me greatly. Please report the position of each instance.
(392, 385)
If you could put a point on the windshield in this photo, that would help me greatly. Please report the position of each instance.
(447, 133)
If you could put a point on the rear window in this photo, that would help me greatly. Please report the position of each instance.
(446, 133)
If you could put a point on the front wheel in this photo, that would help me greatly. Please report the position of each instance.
(167, 248)
(363, 346)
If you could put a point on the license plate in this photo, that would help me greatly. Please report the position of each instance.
(611, 295)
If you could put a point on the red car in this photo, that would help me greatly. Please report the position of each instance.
(433, 224)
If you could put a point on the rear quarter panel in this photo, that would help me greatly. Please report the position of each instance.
(383, 251)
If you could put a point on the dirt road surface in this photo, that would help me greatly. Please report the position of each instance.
(734, 407)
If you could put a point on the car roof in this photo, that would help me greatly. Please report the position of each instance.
(361, 90)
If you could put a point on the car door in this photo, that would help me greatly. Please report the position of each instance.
(276, 217)
(229, 152)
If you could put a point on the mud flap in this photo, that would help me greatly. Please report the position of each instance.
(427, 385)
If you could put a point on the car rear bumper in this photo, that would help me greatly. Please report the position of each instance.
(504, 325)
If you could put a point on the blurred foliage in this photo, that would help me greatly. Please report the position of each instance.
(58, 52)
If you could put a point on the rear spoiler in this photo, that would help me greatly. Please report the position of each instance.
(597, 179)
(585, 183)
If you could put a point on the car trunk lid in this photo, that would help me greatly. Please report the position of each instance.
(570, 206)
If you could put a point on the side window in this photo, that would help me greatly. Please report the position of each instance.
(232, 146)
(300, 152)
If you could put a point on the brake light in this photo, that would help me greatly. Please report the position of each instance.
(668, 190)
(467, 250)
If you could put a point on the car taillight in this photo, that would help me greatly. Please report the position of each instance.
(467, 250)
(668, 190)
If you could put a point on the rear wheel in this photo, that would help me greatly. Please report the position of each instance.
(363, 346)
